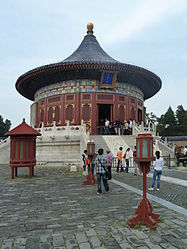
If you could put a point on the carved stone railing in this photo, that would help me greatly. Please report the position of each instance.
(138, 129)
(164, 146)
(66, 131)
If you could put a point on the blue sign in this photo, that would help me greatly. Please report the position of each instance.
(108, 78)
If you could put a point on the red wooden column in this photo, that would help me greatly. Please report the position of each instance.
(128, 107)
(77, 108)
(45, 112)
(94, 114)
(115, 106)
(63, 109)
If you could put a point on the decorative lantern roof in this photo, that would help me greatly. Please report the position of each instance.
(87, 62)
(23, 129)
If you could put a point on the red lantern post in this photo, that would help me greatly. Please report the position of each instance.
(144, 214)
(90, 152)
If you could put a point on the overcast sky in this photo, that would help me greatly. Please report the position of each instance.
(148, 33)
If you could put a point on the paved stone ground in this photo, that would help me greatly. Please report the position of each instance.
(176, 194)
(54, 210)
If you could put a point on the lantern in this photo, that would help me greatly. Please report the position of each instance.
(22, 148)
(90, 148)
(144, 214)
(144, 147)
(90, 153)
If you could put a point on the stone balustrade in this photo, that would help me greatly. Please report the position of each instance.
(62, 130)
(138, 129)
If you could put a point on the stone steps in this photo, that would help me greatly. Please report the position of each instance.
(99, 143)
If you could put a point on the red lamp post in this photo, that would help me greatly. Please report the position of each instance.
(90, 149)
(22, 148)
(144, 214)
(90, 152)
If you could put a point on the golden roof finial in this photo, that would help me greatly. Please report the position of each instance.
(90, 27)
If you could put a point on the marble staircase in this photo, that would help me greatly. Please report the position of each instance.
(100, 143)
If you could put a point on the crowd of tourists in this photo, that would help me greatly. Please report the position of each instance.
(101, 164)
(116, 127)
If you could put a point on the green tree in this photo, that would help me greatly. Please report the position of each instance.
(181, 117)
(151, 117)
(167, 123)
(4, 126)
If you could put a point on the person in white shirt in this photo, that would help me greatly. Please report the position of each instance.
(107, 123)
(185, 150)
(130, 126)
(158, 165)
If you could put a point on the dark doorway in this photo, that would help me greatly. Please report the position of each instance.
(139, 115)
(104, 111)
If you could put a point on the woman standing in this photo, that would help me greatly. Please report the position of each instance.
(158, 165)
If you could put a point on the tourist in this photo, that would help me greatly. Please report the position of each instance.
(126, 132)
(127, 159)
(182, 150)
(107, 123)
(119, 155)
(101, 164)
(134, 161)
(122, 128)
(109, 157)
(84, 159)
(102, 126)
(158, 165)
(130, 126)
(185, 150)
(115, 127)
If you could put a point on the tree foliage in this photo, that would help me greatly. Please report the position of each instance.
(151, 117)
(4, 126)
(173, 124)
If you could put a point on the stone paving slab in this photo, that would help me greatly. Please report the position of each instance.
(54, 210)
(176, 194)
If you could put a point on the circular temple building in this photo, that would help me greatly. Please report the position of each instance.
(89, 85)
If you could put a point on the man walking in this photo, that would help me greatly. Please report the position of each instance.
(119, 155)
(101, 164)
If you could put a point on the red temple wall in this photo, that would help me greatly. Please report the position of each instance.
(77, 106)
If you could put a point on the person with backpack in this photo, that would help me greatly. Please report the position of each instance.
(101, 165)
(158, 165)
